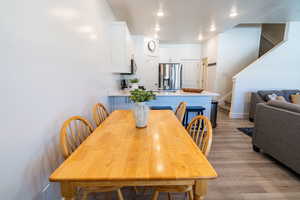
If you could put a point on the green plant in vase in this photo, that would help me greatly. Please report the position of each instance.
(134, 83)
(135, 80)
(141, 110)
(139, 95)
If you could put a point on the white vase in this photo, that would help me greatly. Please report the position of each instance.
(141, 114)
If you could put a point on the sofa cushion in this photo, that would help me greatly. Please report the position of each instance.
(295, 98)
(281, 98)
(285, 105)
(288, 93)
(264, 94)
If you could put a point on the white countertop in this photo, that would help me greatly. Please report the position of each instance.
(177, 93)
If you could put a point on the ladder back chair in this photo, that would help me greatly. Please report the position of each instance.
(180, 111)
(100, 113)
(73, 132)
(200, 130)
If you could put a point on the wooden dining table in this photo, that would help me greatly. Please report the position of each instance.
(119, 154)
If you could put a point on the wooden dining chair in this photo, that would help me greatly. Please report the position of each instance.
(180, 111)
(200, 130)
(100, 113)
(73, 132)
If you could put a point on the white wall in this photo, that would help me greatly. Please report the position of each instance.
(237, 48)
(278, 69)
(210, 51)
(49, 72)
(232, 50)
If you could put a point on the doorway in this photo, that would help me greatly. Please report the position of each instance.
(208, 75)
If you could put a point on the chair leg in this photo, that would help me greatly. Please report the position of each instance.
(169, 196)
(155, 195)
(190, 193)
(120, 195)
(136, 190)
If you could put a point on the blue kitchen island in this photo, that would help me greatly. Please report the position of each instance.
(120, 100)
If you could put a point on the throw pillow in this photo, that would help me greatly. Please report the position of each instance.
(280, 98)
(272, 96)
(295, 98)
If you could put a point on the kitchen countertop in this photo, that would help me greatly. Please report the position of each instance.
(166, 93)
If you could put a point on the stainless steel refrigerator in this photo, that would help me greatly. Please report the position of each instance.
(170, 76)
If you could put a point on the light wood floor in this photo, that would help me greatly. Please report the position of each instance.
(243, 173)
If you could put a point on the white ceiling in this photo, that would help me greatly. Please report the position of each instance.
(184, 20)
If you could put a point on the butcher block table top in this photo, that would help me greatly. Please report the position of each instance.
(118, 153)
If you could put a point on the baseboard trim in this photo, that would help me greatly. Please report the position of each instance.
(238, 115)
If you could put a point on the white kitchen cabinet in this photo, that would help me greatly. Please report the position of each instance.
(191, 75)
(189, 55)
(122, 49)
(179, 52)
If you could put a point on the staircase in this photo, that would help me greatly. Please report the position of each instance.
(225, 102)
(271, 36)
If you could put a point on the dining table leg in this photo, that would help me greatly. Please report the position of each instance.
(200, 189)
(67, 191)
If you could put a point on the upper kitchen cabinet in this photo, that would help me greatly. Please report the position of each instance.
(179, 52)
(122, 48)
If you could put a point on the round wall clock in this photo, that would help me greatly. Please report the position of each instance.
(151, 45)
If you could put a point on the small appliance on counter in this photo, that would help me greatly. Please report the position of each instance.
(170, 76)
(124, 84)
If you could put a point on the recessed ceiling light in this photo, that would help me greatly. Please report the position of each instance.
(212, 28)
(160, 13)
(233, 14)
(200, 37)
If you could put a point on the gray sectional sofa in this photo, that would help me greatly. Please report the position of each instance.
(277, 132)
(261, 96)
